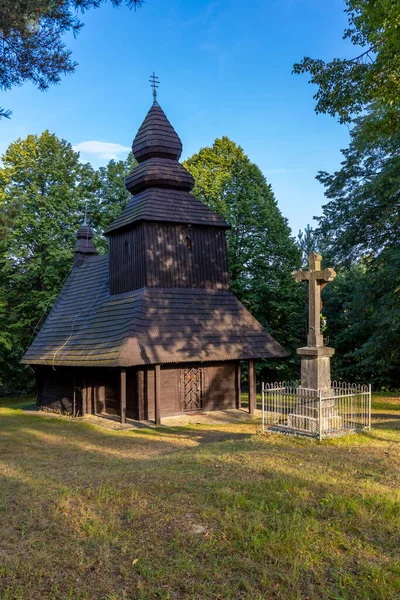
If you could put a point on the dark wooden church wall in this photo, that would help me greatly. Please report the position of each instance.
(97, 391)
(221, 390)
(170, 401)
(127, 260)
(177, 256)
(189, 257)
(132, 406)
(221, 386)
(58, 390)
(103, 389)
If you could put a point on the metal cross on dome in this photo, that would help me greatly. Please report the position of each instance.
(154, 82)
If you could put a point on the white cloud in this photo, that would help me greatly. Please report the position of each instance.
(101, 150)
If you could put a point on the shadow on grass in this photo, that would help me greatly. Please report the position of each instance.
(90, 513)
(17, 403)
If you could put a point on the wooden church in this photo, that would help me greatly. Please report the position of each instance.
(150, 329)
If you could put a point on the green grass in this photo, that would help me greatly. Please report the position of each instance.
(17, 402)
(204, 512)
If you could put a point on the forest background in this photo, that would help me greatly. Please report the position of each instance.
(45, 191)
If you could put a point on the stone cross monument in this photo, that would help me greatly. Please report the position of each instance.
(315, 357)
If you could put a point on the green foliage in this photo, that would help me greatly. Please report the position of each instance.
(42, 190)
(110, 197)
(360, 229)
(31, 33)
(347, 86)
(262, 254)
(363, 214)
(363, 309)
(307, 241)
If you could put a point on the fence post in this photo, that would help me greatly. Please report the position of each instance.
(262, 406)
(319, 415)
(369, 406)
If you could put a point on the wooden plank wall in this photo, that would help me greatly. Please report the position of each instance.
(189, 257)
(221, 389)
(127, 271)
(221, 382)
(132, 408)
(170, 400)
(176, 256)
(97, 390)
(55, 391)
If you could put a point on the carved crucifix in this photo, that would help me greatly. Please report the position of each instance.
(317, 280)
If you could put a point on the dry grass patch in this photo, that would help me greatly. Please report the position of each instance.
(202, 512)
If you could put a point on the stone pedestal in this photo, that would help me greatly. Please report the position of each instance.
(316, 367)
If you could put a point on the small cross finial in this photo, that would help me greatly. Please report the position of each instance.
(154, 82)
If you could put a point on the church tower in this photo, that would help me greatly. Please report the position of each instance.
(150, 329)
(165, 237)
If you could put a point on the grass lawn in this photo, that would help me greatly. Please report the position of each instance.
(207, 512)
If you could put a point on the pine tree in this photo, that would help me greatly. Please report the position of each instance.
(307, 242)
(32, 45)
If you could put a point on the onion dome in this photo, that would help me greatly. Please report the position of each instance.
(84, 247)
(159, 172)
(159, 184)
(156, 137)
(157, 149)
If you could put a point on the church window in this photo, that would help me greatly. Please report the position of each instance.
(187, 240)
(128, 248)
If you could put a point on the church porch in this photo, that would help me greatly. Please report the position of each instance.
(149, 393)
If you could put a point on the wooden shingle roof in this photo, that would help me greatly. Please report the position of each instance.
(156, 137)
(159, 184)
(157, 204)
(88, 327)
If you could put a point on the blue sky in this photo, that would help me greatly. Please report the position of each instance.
(225, 69)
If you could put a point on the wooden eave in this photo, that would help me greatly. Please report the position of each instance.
(88, 327)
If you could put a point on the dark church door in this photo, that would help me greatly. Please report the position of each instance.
(192, 386)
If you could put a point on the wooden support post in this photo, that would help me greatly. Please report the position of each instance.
(252, 386)
(238, 398)
(38, 386)
(84, 396)
(157, 394)
(141, 414)
(123, 395)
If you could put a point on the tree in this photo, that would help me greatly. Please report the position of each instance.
(363, 214)
(307, 242)
(43, 187)
(261, 252)
(360, 226)
(362, 306)
(347, 86)
(110, 196)
(31, 40)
